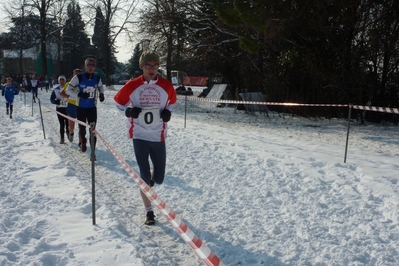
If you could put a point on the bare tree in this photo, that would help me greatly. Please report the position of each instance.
(192, 37)
(43, 7)
(160, 19)
(58, 12)
(118, 16)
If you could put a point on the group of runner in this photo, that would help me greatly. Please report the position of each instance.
(77, 99)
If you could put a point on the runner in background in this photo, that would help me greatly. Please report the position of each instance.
(8, 92)
(61, 103)
(34, 86)
(71, 107)
(87, 84)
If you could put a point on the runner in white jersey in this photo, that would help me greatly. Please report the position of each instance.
(147, 102)
(61, 103)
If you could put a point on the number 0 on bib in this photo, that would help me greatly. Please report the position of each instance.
(149, 116)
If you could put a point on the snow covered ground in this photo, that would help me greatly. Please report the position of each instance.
(256, 190)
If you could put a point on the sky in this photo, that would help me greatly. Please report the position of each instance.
(256, 190)
(124, 48)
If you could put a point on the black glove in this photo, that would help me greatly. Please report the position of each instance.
(102, 97)
(133, 112)
(83, 95)
(58, 101)
(165, 115)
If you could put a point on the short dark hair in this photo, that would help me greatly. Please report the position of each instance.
(90, 59)
(77, 70)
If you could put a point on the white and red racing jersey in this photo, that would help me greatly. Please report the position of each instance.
(152, 97)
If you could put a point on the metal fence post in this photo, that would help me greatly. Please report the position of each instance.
(347, 133)
(41, 117)
(93, 172)
(185, 110)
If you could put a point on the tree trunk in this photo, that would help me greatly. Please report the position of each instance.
(21, 67)
(43, 34)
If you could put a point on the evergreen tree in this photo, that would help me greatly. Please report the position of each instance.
(100, 38)
(23, 34)
(133, 67)
(75, 40)
(318, 51)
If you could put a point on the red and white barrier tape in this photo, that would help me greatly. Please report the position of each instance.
(199, 247)
(67, 117)
(370, 108)
(263, 103)
(377, 109)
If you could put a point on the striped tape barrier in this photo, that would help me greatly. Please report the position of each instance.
(360, 107)
(198, 246)
(370, 108)
(264, 103)
(377, 109)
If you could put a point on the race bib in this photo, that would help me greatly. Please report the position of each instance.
(149, 116)
(63, 101)
(91, 91)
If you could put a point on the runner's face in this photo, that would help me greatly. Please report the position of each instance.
(150, 70)
(90, 67)
(62, 83)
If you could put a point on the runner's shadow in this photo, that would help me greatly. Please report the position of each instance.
(228, 253)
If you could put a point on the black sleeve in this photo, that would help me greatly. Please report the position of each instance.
(52, 97)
